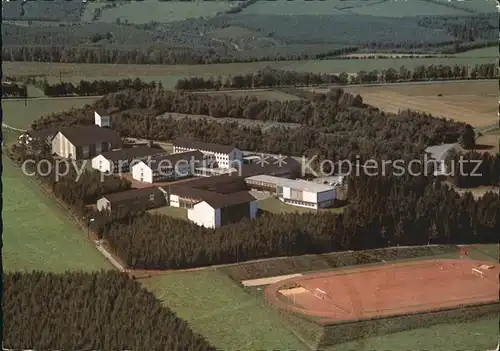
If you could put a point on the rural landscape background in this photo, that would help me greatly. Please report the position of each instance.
(59, 42)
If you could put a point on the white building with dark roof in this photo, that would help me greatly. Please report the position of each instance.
(225, 156)
(167, 167)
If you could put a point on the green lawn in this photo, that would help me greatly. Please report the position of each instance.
(491, 51)
(175, 212)
(480, 335)
(274, 205)
(36, 234)
(220, 310)
(17, 114)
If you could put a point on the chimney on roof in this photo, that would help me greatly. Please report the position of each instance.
(102, 119)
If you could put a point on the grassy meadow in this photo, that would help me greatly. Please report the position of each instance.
(18, 115)
(37, 235)
(220, 310)
(477, 335)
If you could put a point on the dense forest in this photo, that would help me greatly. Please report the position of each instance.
(89, 311)
(335, 126)
(384, 210)
(484, 167)
(230, 36)
(269, 77)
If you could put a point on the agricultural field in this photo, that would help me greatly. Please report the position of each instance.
(219, 309)
(162, 11)
(491, 51)
(383, 8)
(170, 74)
(473, 102)
(37, 235)
(18, 115)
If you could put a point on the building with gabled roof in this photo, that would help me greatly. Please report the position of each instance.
(119, 161)
(132, 200)
(225, 156)
(84, 141)
(165, 167)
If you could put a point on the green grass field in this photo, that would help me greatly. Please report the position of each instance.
(36, 234)
(169, 74)
(220, 310)
(480, 335)
(17, 115)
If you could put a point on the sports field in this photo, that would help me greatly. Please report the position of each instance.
(36, 234)
(473, 102)
(169, 74)
(220, 310)
(18, 114)
(388, 290)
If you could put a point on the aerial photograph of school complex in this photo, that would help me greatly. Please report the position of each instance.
(250, 175)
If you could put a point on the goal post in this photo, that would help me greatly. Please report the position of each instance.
(477, 272)
(319, 293)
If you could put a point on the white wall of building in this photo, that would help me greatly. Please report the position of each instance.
(309, 196)
(174, 200)
(102, 121)
(62, 147)
(102, 204)
(142, 172)
(224, 160)
(101, 164)
(286, 192)
(204, 215)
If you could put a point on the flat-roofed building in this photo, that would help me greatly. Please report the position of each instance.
(296, 192)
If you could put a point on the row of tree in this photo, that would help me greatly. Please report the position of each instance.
(336, 126)
(472, 169)
(89, 311)
(91, 88)
(269, 77)
(14, 90)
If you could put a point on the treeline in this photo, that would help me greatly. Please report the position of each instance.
(89, 311)
(335, 126)
(14, 90)
(155, 55)
(71, 182)
(269, 77)
(384, 211)
(91, 88)
(472, 169)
